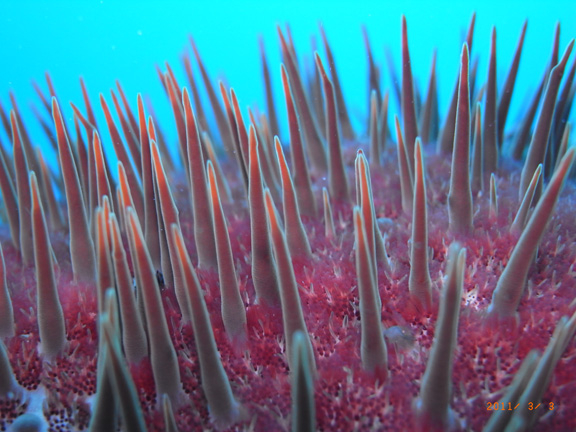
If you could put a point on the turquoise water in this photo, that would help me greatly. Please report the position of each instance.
(106, 40)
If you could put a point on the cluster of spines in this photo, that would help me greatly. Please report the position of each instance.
(97, 217)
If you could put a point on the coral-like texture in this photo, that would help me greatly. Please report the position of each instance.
(322, 326)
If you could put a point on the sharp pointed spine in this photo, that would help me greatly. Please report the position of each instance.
(303, 405)
(269, 93)
(295, 233)
(478, 152)
(336, 172)
(329, 230)
(313, 140)
(522, 136)
(82, 152)
(508, 88)
(6, 310)
(201, 113)
(87, 103)
(499, 419)
(460, 194)
(104, 275)
(223, 407)
(168, 413)
(232, 309)
(267, 160)
(126, 193)
(91, 199)
(373, 349)
(512, 281)
(419, 282)
(490, 132)
(133, 333)
(124, 389)
(222, 181)
(563, 148)
(10, 198)
(493, 210)
(50, 315)
(203, 232)
(408, 97)
(23, 190)
(524, 418)
(383, 122)
(433, 405)
(343, 116)
(292, 315)
(239, 149)
(81, 244)
(539, 144)
(446, 138)
(55, 217)
(374, 135)
(132, 143)
(564, 105)
(406, 181)
(366, 204)
(150, 216)
(104, 412)
(162, 353)
(177, 109)
(18, 123)
(217, 109)
(7, 381)
(264, 272)
(169, 214)
(302, 181)
(373, 71)
(522, 214)
(427, 127)
(103, 183)
(120, 149)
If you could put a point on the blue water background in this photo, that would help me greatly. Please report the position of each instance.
(108, 40)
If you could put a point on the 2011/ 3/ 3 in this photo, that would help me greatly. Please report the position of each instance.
(501, 406)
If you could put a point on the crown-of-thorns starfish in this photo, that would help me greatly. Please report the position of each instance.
(321, 277)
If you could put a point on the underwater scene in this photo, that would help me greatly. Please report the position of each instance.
(287, 216)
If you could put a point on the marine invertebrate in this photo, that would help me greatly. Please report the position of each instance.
(178, 297)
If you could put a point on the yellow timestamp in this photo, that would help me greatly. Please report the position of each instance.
(503, 406)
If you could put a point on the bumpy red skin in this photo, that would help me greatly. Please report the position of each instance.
(346, 398)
